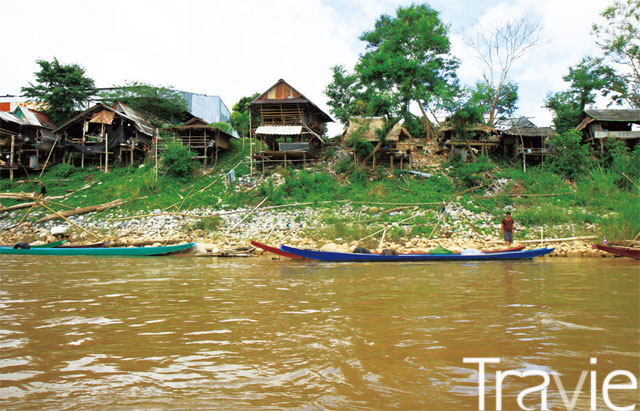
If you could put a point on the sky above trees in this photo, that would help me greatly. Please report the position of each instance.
(235, 48)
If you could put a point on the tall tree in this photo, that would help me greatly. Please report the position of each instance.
(407, 60)
(161, 105)
(62, 89)
(240, 115)
(619, 38)
(504, 103)
(498, 48)
(587, 80)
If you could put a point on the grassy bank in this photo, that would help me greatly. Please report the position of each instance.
(592, 205)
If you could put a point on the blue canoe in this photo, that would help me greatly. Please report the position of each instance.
(335, 256)
(106, 251)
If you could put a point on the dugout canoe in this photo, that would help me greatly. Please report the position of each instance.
(355, 257)
(622, 251)
(105, 251)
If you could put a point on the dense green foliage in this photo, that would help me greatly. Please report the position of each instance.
(177, 161)
(240, 113)
(226, 127)
(407, 60)
(469, 174)
(160, 105)
(62, 89)
(587, 80)
(619, 39)
(572, 157)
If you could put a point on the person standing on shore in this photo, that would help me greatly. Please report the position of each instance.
(507, 229)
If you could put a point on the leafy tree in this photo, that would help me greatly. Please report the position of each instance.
(502, 102)
(178, 162)
(498, 48)
(586, 80)
(572, 157)
(61, 88)
(240, 115)
(619, 38)
(226, 127)
(161, 105)
(407, 60)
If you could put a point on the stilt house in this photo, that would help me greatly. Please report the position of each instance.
(527, 140)
(26, 140)
(621, 124)
(396, 147)
(201, 138)
(291, 126)
(104, 136)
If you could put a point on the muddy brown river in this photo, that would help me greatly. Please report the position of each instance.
(184, 333)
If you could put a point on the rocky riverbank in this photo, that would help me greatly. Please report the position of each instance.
(229, 231)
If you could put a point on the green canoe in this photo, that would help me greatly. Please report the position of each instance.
(48, 245)
(115, 251)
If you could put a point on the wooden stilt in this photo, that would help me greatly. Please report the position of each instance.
(13, 142)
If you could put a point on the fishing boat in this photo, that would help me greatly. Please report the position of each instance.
(622, 251)
(104, 251)
(281, 253)
(355, 257)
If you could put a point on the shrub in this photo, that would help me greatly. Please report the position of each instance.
(469, 174)
(572, 157)
(178, 161)
(62, 170)
(344, 166)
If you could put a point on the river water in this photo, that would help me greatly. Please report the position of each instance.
(184, 333)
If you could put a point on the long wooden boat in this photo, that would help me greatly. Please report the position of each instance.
(281, 253)
(106, 251)
(354, 257)
(276, 251)
(623, 251)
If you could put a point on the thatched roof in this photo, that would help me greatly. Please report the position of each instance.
(476, 127)
(529, 131)
(369, 126)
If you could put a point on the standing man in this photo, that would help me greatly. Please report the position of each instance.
(507, 228)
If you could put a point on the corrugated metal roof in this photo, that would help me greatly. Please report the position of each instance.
(10, 118)
(279, 130)
(628, 115)
(141, 123)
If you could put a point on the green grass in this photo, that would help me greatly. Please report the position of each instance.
(595, 198)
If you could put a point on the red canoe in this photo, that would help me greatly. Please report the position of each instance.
(623, 251)
(275, 250)
(279, 252)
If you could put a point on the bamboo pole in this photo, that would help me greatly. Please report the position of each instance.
(66, 219)
(382, 238)
(248, 214)
(49, 156)
(13, 142)
(21, 220)
(379, 231)
(558, 240)
(632, 182)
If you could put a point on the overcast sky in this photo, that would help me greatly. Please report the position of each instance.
(236, 48)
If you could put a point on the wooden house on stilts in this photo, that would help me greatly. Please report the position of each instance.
(291, 126)
(103, 136)
(203, 139)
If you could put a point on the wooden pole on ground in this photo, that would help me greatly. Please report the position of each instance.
(66, 219)
(21, 220)
(382, 238)
(379, 231)
(248, 214)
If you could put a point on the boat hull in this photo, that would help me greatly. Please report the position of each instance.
(354, 257)
(115, 251)
(625, 252)
(276, 251)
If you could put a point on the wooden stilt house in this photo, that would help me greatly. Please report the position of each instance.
(203, 139)
(619, 124)
(395, 147)
(528, 141)
(26, 140)
(291, 126)
(105, 136)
